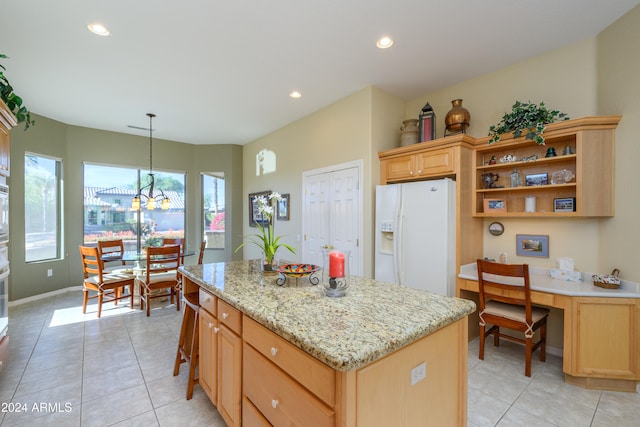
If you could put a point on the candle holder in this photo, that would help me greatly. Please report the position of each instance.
(335, 272)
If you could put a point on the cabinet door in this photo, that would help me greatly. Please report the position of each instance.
(208, 355)
(435, 162)
(605, 338)
(229, 376)
(399, 168)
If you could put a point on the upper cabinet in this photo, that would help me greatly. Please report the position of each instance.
(514, 177)
(7, 121)
(519, 178)
(425, 160)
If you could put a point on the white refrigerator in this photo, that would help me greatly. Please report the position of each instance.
(415, 235)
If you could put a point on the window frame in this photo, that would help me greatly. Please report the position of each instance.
(59, 208)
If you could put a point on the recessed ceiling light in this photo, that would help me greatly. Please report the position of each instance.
(384, 42)
(99, 29)
(295, 95)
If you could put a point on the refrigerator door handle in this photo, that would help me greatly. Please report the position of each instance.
(397, 239)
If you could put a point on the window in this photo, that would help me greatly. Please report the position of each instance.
(108, 191)
(213, 205)
(42, 207)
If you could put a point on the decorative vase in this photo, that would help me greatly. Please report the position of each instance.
(409, 132)
(458, 118)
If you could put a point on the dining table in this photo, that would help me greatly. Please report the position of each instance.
(139, 260)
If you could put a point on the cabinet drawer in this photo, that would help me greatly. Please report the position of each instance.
(310, 372)
(230, 317)
(251, 417)
(279, 398)
(207, 301)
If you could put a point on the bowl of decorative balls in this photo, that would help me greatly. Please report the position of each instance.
(298, 271)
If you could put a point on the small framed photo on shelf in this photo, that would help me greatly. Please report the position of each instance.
(283, 208)
(567, 204)
(495, 206)
(537, 179)
(532, 245)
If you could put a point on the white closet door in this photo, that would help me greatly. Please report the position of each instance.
(332, 214)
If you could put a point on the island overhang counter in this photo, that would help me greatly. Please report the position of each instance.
(381, 355)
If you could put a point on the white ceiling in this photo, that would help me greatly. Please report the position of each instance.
(219, 72)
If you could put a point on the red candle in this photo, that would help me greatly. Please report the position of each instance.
(336, 264)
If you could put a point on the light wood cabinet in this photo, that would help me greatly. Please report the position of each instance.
(208, 346)
(604, 343)
(419, 165)
(229, 364)
(7, 121)
(590, 141)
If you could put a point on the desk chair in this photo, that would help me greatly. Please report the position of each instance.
(161, 273)
(188, 351)
(505, 301)
(95, 279)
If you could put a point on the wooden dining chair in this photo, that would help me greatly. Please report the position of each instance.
(161, 273)
(505, 301)
(109, 285)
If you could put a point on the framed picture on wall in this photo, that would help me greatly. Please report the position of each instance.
(254, 214)
(532, 245)
(283, 208)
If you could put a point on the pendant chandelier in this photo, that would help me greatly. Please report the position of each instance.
(152, 200)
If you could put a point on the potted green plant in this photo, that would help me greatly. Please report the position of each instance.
(528, 118)
(13, 101)
(266, 240)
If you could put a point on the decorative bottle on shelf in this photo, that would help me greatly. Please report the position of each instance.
(516, 180)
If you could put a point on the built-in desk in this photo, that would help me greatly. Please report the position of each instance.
(601, 342)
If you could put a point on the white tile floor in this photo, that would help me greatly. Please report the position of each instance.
(67, 369)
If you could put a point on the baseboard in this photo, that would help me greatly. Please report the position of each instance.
(45, 295)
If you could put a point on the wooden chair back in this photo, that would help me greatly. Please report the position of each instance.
(508, 283)
(111, 250)
(92, 264)
(162, 259)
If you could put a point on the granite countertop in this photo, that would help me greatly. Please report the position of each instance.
(542, 281)
(371, 321)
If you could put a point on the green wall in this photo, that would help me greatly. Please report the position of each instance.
(75, 145)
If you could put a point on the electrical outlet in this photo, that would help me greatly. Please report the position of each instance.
(418, 373)
(50, 272)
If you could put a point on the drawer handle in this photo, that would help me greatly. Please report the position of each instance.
(420, 171)
(215, 330)
(210, 325)
(274, 403)
(225, 315)
(274, 351)
(410, 172)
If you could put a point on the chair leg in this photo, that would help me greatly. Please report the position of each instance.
(85, 299)
(100, 296)
(193, 357)
(482, 336)
(181, 340)
(528, 356)
(543, 346)
(147, 293)
(496, 336)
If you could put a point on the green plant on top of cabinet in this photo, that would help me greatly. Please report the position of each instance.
(584, 152)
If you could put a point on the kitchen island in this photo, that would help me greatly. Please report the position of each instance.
(382, 355)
